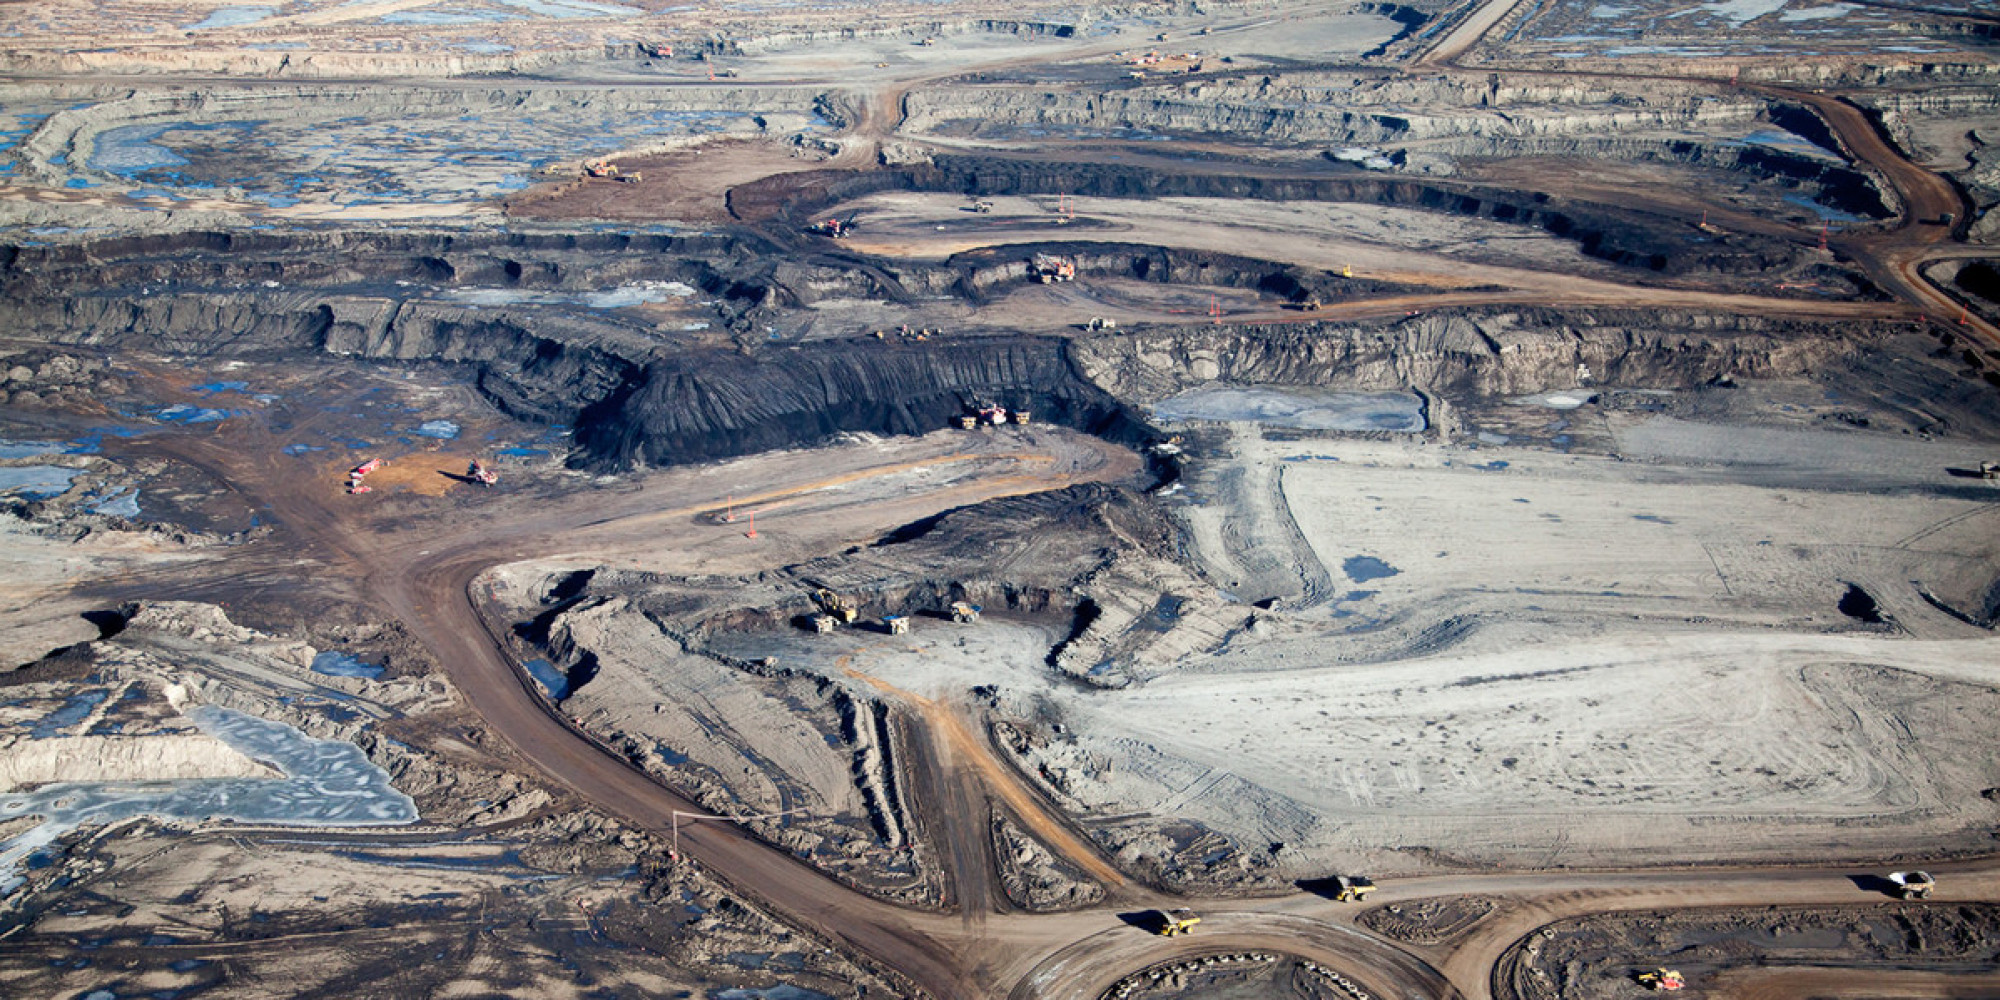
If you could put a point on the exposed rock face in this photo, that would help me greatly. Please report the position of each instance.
(692, 407)
(1488, 354)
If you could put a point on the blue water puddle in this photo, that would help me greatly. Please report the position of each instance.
(337, 664)
(675, 758)
(443, 430)
(301, 449)
(93, 442)
(78, 182)
(1654, 518)
(211, 388)
(124, 503)
(572, 8)
(1779, 139)
(36, 480)
(782, 991)
(28, 449)
(440, 17)
(73, 710)
(552, 680)
(507, 859)
(183, 413)
(325, 783)
(1825, 213)
(1362, 569)
(520, 452)
(231, 17)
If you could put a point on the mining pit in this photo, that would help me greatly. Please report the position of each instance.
(584, 499)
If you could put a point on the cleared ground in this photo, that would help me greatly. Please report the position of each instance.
(1529, 658)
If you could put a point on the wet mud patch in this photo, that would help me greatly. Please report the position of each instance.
(1272, 406)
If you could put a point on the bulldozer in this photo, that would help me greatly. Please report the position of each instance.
(1352, 888)
(1912, 885)
(835, 606)
(1662, 979)
(1171, 923)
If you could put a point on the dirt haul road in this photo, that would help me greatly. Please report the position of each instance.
(422, 572)
(422, 568)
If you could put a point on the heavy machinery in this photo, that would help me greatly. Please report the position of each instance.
(481, 474)
(1050, 269)
(967, 421)
(825, 623)
(600, 168)
(964, 613)
(1169, 923)
(1989, 470)
(1352, 888)
(896, 624)
(1020, 416)
(1913, 885)
(994, 414)
(835, 606)
(357, 477)
(982, 207)
(837, 229)
(1100, 323)
(1662, 979)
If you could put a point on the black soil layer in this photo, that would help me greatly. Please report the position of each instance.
(1602, 956)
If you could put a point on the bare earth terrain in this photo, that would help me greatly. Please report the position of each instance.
(581, 498)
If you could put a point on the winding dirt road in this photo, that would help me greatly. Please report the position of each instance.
(425, 573)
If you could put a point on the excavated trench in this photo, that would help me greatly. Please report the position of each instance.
(1649, 244)
(642, 392)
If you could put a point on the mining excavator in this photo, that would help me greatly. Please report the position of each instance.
(1662, 979)
(1050, 269)
(836, 228)
(835, 606)
(481, 474)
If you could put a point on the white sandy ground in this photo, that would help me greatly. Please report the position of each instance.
(1579, 660)
(702, 709)
(159, 757)
(1691, 746)
(1375, 241)
(36, 572)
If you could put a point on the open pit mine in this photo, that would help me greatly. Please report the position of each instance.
(1415, 500)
